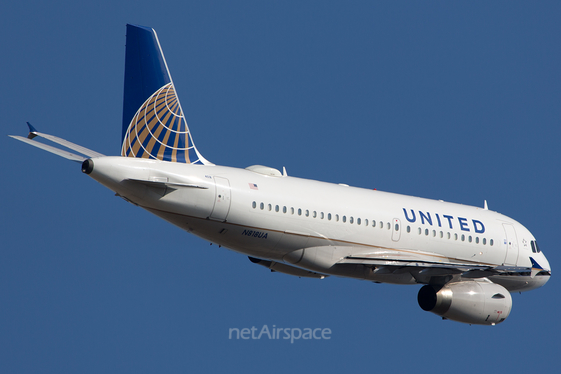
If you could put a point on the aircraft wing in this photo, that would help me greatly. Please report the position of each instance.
(383, 257)
(389, 261)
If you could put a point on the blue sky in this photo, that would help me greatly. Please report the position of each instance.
(446, 100)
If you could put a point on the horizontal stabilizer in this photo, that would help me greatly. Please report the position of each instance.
(55, 139)
(33, 133)
(48, 148)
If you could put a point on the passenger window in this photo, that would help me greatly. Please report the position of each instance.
(262, 206)
(427, 232)
(491, 242)
(484, 241)
(270, 207)
(469, 238)
(329, 216)
(434, 233)
(408, 229)
(365, 222)
(321, 215)
(477, 240)
(373, 223)
(344, 218)
(315, 214)
(284, 209)
(299, 211)
(396, 227)
(336, 218)
(254, 205)
(307, 213)
(291, 210)
(276, 208)
(351, 220)
(463, 237)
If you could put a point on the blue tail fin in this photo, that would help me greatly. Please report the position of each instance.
(153, 122)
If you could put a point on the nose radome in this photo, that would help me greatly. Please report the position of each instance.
(545, 264)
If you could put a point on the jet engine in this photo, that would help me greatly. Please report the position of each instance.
(473, 302)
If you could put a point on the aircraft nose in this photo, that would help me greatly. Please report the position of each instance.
(546, 265)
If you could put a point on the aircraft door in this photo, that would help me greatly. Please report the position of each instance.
(396, 229)
(221, 199)
(511, 257)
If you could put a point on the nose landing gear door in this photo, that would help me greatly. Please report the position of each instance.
(221, 199)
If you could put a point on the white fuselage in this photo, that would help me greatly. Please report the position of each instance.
(273, 216)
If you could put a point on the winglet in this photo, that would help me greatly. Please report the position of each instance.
(536, 268)
(32, 131)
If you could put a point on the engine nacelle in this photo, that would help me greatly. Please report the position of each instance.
(472, 302)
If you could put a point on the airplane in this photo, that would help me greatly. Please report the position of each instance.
(467, 259)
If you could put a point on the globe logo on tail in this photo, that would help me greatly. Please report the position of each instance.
(158, 130)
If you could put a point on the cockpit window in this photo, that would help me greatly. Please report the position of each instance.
(535, 248)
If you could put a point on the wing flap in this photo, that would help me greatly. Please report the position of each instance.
(409, 259)
(430, 263)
